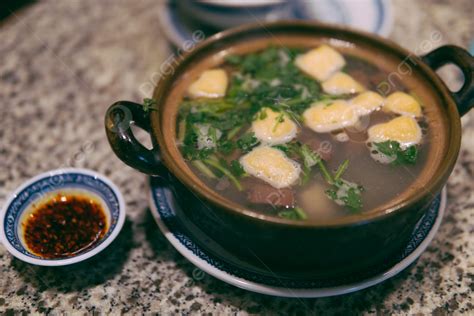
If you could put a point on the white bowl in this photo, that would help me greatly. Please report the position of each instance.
(48, 183)
(225, 14)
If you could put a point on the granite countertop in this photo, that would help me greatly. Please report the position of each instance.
(64, 62)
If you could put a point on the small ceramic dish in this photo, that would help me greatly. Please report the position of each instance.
(74, 181)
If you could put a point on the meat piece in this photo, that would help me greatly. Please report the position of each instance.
(259, 193)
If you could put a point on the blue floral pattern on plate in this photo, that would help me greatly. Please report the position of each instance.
(173, 223)
(50, 184)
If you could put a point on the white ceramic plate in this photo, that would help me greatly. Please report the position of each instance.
(241, 274)
(368, 15)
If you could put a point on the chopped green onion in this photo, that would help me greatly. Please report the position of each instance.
(204, 169)
(324, 171)
(212, 161)
(231, 134)
(295, 213)
(300, 212)
(279, 119)
(341, 169)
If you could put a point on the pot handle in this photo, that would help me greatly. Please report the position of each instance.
(460, 57)
(118, 120)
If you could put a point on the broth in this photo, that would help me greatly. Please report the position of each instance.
(368, 182)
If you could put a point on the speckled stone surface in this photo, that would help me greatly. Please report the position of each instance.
(62, 64)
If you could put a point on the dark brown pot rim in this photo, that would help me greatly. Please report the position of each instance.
(415, 200)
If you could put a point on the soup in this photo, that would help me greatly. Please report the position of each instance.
(301, 133)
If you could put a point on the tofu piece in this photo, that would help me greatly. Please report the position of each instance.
(403, 129)
(320, 63)
(271, 130)
(272, 166)
(210, 84)
(367, 102)
(402, 103)
(341, 83)
(325, 117)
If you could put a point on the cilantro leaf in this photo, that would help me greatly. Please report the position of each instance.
(310, 157)
(346, 193)
(400, 156)
(225, 146)
(236, 168)
(247, 141)
(302, 151)
(221, 166)
(342, 192)
(284, 148)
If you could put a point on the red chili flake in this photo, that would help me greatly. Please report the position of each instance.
(64, 225)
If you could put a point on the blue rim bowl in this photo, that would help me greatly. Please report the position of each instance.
(51, 182)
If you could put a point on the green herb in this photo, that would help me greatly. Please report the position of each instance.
(346, 193)
(310, 157)
(247, 141)
(291, 148)
(225, 146)
(211, 136)
(293, 114)
(302, 151)
(400, 156)
(237, 91)
(192, 153)
(294, 86)
(189, 146)
(249, 91)
(262, 115)
(219, 165)
(233, 132)
(252, 88)
(204, 169)
(300, 212)
(299, 150)
(236, 168)
(341, 169)
(342, 191)
(279, 119)
(325, 172)
(284, 148)
(295, 213)
(149, 105)
(217, 113)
